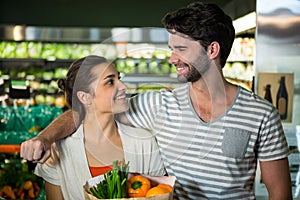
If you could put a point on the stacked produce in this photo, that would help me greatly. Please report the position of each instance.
(28, 190)
(17, 180)
(44, 50)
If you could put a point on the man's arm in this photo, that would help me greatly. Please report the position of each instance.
(276, 176)
(37, 149)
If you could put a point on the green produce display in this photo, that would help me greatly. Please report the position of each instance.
(34, 49)
(21, 50)
(21, 123)
(44, 50)
(8, 49)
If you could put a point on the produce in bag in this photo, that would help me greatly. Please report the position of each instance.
(131, 185)
(113, 184)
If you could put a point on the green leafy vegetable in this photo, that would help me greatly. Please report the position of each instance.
(114, 185)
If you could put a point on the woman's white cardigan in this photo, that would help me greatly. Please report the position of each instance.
(68, 166)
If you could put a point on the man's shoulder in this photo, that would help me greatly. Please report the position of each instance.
(165, 91)
(181, 87)
(249, 98)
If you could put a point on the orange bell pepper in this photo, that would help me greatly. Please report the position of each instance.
(159, 189)
(138, 186)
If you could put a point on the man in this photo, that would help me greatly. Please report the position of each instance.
(211, 133)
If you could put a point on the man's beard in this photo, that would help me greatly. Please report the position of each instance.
(193, 76)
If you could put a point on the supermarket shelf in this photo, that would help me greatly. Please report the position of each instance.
(9, 148)
(25, 62)
(246, 60)
(146, 78)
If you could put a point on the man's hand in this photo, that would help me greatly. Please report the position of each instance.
(36, 149)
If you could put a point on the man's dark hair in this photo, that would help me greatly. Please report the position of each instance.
(203, 22)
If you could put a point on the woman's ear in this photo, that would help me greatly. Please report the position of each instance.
(84, 98)
(214, 50)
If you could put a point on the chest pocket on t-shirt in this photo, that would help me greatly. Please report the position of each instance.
(235, 142)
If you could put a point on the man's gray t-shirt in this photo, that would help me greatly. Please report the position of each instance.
(214, 160)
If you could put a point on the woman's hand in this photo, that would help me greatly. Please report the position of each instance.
(36, 149)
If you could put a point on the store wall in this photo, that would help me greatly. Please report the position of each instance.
(278, 44)
(278, 54)
(89, 13)
(96, 13)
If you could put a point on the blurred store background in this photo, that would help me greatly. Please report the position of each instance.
(39, 39)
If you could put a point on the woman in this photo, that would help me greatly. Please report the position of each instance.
(94, 91)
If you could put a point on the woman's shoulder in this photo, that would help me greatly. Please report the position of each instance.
(78, 135)
(133, 132)
(134, 137)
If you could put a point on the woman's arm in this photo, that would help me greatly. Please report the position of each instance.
(37, 149)
(53, 192)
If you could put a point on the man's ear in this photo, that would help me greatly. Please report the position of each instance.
(84, 98)
(214, 50)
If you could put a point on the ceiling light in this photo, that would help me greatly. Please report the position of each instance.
(245, 23)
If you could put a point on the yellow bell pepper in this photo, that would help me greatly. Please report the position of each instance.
(138, 186)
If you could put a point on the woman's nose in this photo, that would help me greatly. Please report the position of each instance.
(122, 85)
